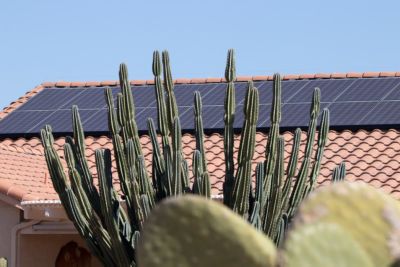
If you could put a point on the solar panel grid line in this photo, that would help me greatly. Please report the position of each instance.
(329, 90)
(13, 122)
(376, 106)
(370, 89)
(376, 103)
(92, 116)
(394, 95)
(268, 113)
(349, 113)
(185, 93)
(44, 119)
(386, 113)
(216, 93)
(338, 96)
(96, 99)
(389, 93)
(48, 99)
(347, 88)
(298, 90)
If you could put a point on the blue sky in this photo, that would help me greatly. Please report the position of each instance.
(86, 40)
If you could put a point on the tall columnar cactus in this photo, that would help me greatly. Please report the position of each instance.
(275, 199)
(112, 232)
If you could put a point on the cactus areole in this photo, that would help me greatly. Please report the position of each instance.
(112, 232)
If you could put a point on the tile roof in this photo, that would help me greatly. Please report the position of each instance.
(371, 156)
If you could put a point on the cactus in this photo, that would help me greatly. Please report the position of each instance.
(209, 235)
(112, 233)
(3, 262)
(273, 203)
(323, 244)
(339, 173)
(367, 215)
(340, 225)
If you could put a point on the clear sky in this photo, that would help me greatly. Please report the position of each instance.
(86, 40)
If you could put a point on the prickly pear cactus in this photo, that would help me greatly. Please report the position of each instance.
(325, 245)
(191, 231)
(3, 262)
(367, 215)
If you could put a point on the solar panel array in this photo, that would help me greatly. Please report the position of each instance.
(352, 103)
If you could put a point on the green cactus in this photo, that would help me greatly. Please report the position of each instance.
(339, 173)
(112, 232)
(209, 235)
(323, 244)
(274, 195)
(367, 215)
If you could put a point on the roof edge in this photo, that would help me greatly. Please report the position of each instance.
(238, 79)
(15, 104)
(57, 202)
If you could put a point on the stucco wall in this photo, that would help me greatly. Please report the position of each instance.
(42, 250)
(9, 217)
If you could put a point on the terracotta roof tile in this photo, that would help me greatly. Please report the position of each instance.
(244, 78)
(371, 74)
(354, 75)
(338, 75)
(23, 168)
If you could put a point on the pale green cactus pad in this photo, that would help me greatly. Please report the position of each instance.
(323, 244)
(369, 216)
(3, 262)
(191, 231)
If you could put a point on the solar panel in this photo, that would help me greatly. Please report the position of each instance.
(264, 114)
(52, 99)
(297, 115)
(329, 90)
(352, 102)
(184, 94)
(386, 112)
(349, 113)
(20, 122)
(60, 120)
(97, 122)
(92, 98)
(186, 118)
(213, 117)
(143, 115)
(290, 88)
(372, 89)
(394, 94)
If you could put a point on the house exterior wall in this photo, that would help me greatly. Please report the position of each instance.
(42, 250)
(9, 217)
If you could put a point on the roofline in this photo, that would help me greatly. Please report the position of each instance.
(15, 104)
(220, 80)
(57, 202)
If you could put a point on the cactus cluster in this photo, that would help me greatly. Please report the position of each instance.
(274, 200)
(112, 231)
(346, 224)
